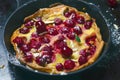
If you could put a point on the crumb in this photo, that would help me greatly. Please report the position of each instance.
(116, 26)
(84, 8)
(2, 66)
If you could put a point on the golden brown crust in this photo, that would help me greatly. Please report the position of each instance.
(44, 13)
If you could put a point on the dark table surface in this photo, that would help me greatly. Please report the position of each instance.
(107, 69)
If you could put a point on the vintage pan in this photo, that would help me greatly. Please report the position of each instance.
(16, 19)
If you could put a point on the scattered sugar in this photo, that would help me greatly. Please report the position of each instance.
(115, 26)
(115, 36)
(113, 55)
(63, 73)
(107, 11)
(36, 70)
(115, 19)
(111, 14)
(112, 8)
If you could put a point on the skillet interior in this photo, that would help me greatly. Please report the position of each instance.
(16, 19)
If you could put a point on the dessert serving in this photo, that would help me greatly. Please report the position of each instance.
(57, 40)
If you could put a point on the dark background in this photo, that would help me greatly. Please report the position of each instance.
(107, 69)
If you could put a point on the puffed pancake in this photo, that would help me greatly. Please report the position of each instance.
(57, 40)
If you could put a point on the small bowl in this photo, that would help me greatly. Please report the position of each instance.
(16, 19)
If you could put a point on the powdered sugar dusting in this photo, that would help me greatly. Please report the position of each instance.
(114, 28)
(113, 53)
(116, 36)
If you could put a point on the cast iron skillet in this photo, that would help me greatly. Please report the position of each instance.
(16, 19)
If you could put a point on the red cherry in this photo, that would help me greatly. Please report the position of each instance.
(69, 23)
(82, 60)
(92, 49)
(80, 20)
(112, 3)
(59, 66)
(69, 64)
(34, 44)
(85, 52)
(66, 51)
(58, 21)
(61, 38)
(40, 61)
(88, 24)
(71, 35)
(59, 44)
(64, 30)
(41, 27)
(19, 41)
(44, 39)
(29, 23)
(25, 48)
(43, 60)
(73, 15)
(77, 30)
(28, 57)
(35, 35)
(52, 31)
(47, 58)
(67, 14)
(48, 50)
(24, 30)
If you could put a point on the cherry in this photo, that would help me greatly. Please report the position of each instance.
(66, 51)
(45, 40)
(59, 44)
(19, 41)
(67, 14)
(58, 21)
(64, 30)
(85, 52)
(112, 3)
(43, 60)
(28, 57)
(61, 38)
(77, 30)
(41, 27)
(29, 23)
(52, 31)
(47, 58)
(35, 35)
(34, 44)
(48, 50)
(73, 15)
(88, 24)
(40, 61)
(82, 60)
(59, 67)
(92, 49)
(25, 48)
(24, 30)
(71, 35)
(69, 23)
(80, 20)
(69, 64)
